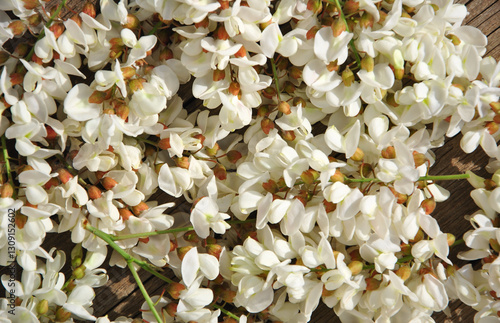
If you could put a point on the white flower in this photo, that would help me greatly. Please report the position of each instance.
(77, 106)
(206, 215)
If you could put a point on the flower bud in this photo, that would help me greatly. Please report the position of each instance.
(418, 237)
(42, 307)
(372, 283)
(242, 52)
(366, 20)
(337, 177)
(269, 92)
(389, 153)
(450, 238)
(62, 315)
(400, 197)
(22, 50)
(18, 27)
(132, 22)
(492, 127)
(314, 5)
(224, 4)
(122, 110)
(338, 27)
(284, 107)
(270, 186)
(182, 162)
(267, 125)
(309, 176)
(329, 206)
(64, 175)
(79, 272)
(295, 72)
(89, 9)
(234, 88)
(191, 236)
(139, 208)
(182, 251)
(16, 78)
(136, 84)
(350, 7)
(404, 272)
(164, 143)
(108, 183)
(212, 151)
(367, 63)
(4, 56)
(495, 245)
(202, 24)
(365, 169)
(214, 250)
(419, 158)
(347, 76)
(76, 18)
(428, 205)
(289, 87)
(220, 172)
(218, 75)
(495, 106)
(358, 155)
(94, 192)
(311, 33)
(288, 135)
(490, 184)
(7, 190)
(233, 156)
(355, 267)
(20, 220)
(98, 97)
(221, 33)
(125, 214)
(171, 309)
(57, 29)
(263, 25)
(166, 54)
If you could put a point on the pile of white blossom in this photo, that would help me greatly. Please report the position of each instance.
(305, 164)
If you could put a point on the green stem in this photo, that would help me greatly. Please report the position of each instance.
(351, 42)
(275, 77)
(155, 233)
(144, 291)
(423, 178)
(7, 165)
(155, 28)
(42, 32)
(405, 259)
(226, 312)
(147, 141)
(457, 242)
(107, 238)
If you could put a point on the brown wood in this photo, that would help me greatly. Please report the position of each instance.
(120, 296)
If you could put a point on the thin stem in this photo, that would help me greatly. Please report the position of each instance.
(457, 242)
(351, 42)
(144, 291)
(226, 312)
(42, 32)
(107, 238)
(423, 178)
(7, 165)
(155, 28)
(155, 233)
(276, 80)
(147, 141)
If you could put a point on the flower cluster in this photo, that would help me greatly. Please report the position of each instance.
(301, 148)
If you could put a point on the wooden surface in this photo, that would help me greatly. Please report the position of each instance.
(120, 296)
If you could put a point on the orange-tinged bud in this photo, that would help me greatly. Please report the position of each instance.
(267, 125)
(350, 7)
(171, 309)
(76, 18)
(191, 236)
(212, 151)
(62, 315)
(355, 267)
(94, 192)
(202, 24)
(122, 110)
(332, 66)
(182, 251)
(221, 33)
(314, 5)
(224, 4)
(450, 238)
(108, 183)
(309, 176)
(57, 29)
(338, 27)
(289, 87)
(242, 52)
(227, 295)
(270, 186)
(7, 190)
(139, 208)
(220, 172)
(30, 4)
(372, 283)
(337, 177)
(404, 272)
(419, 158)
(428, 205)
(64, 175)
(389, 153)
(288, 135)
(16, 78)
(418, 237)
(97, 97)
(234, 88)
(489, 184)
(329, 206)
(284, 107)
(214, 250)
(269, 92)
(182, 162)
(492, 127)
(20, 220)
(128, 72)
(495, 106)
(366, 20)
(295, 72)
(89, 9)
(358, 155)
(125, 214)
(218, 75)
(312, 32)
(298, 100)
(136, 84)
(18, 27)
(132, 22)
(233, 156)
(164, 143)
(400, 197)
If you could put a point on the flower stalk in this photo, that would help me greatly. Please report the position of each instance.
(7, 164)
(144, 292)
(351, 42)
(422, 178)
